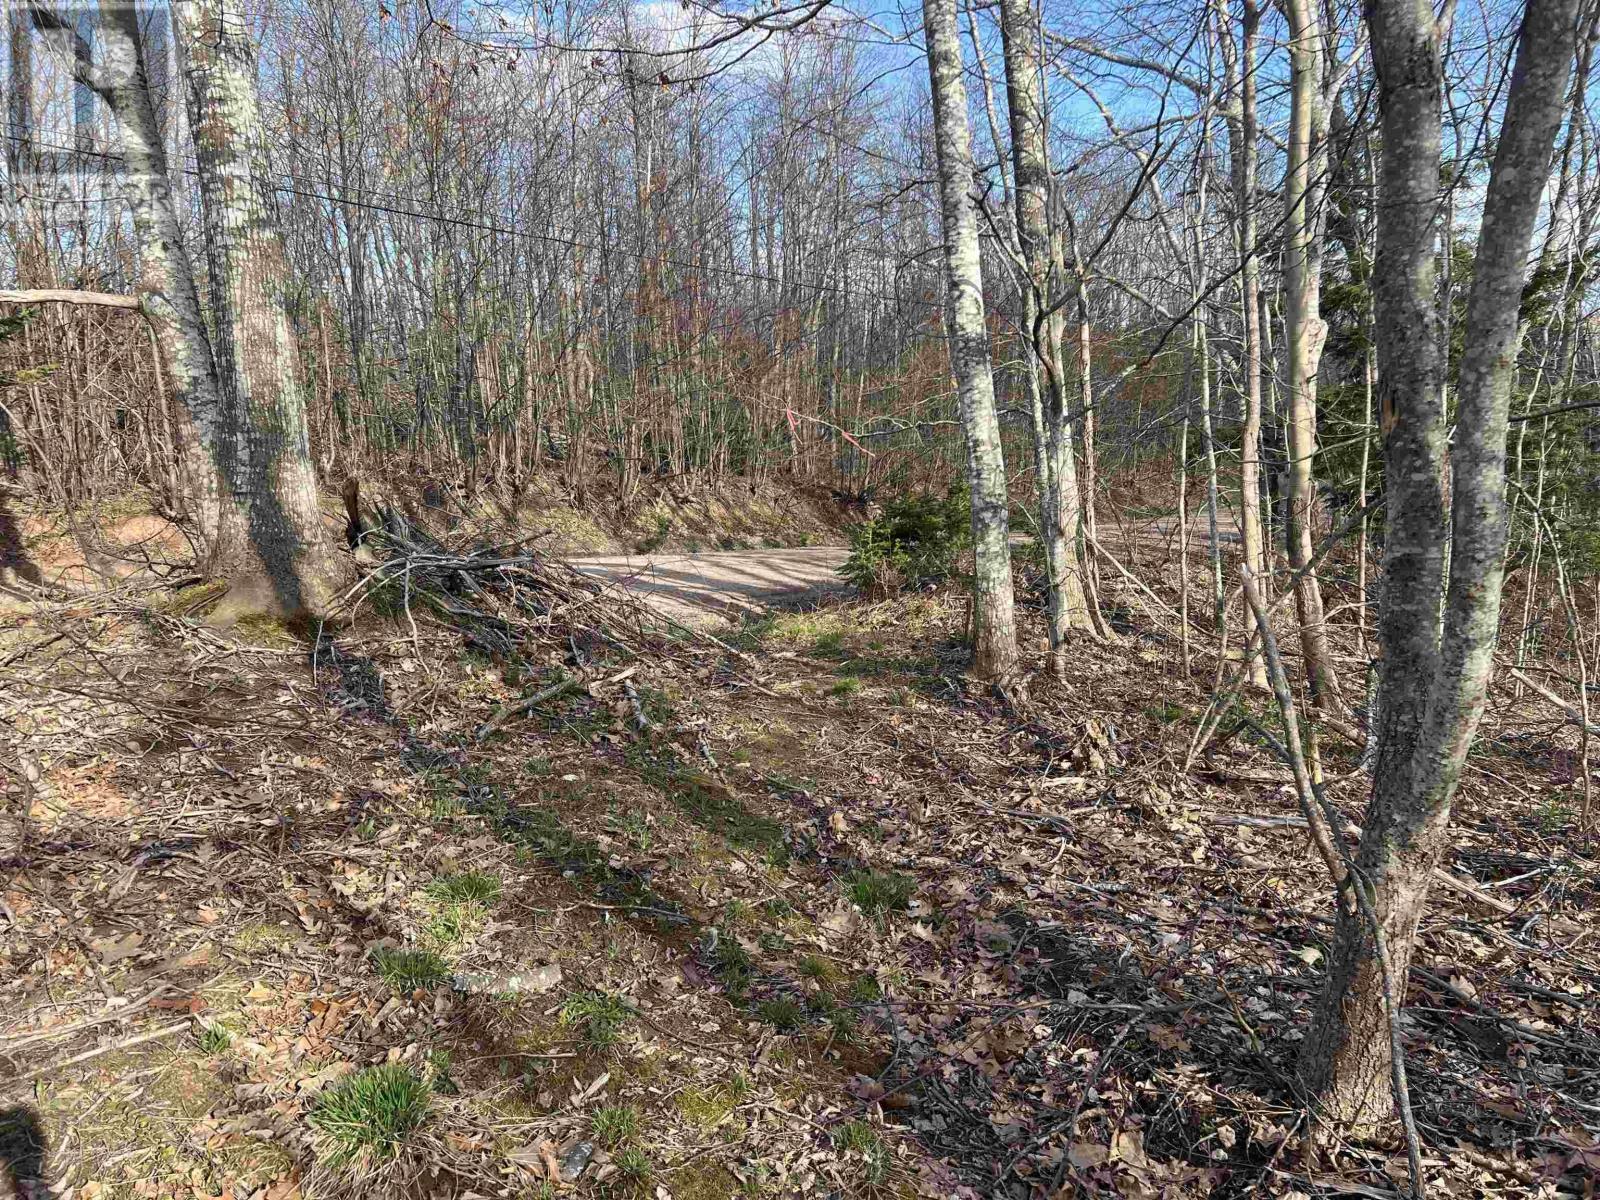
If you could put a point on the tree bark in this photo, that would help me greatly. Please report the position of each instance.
(289, 566)
(1061, 508)
(994, 619)
(1436, 659)
(1305, 331)
(1239, 64)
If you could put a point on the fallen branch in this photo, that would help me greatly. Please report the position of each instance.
(120, 1013)
(154, 1035)
(1570, 710)
(69, 296)
(505, 713)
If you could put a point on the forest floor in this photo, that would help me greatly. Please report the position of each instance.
(793, 908)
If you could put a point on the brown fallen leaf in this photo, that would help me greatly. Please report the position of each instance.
(552, 1168)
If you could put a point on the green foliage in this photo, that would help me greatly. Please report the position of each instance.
(916, 542)
(783, 1013)
(634, 1165)
(438, 1073)
(857, 1138)
(708, 804)
(1166, 712)
(468, 887)
(615, 1125)
(829, 643)
(214, 1039)
(369, 1116)
(814, 966)
(734, 966)
(878, 892)
(408, 970)
(598, 1016)
(865, 989)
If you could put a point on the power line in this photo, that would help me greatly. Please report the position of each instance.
(513, 231)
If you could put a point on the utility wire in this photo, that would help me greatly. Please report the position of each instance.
(513, 231)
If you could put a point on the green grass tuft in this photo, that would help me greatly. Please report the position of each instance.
(734, 966)
(598, 1016)
(877, 892)
(370, 1115)
(783, 1013)
(814, 966)
(859, 1138)
(865, 989)
(469, 887)
(615, 1125)
(214, 1039)
(634, 1165)
(408, 970)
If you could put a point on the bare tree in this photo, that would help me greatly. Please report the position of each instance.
(166, 292)
(1239, 69)
(287, 564)
(994, 620)
(1305, 330)
(1437, 635)
(1060, 506)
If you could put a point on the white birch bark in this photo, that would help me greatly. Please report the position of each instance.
(166, 293)
(994, 619)
(1305, 330)
(1061, 510)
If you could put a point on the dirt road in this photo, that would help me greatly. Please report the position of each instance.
(726, 584)
(722, 584)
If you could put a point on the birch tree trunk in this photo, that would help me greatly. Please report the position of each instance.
(289, 566)
(1305, 331)
(1239, 64)
(994, 652)
(1061, 509)
(1436, 658)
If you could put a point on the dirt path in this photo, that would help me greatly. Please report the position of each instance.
(710, 587)
(724, 584)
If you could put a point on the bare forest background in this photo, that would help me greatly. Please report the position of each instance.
(1303, 295)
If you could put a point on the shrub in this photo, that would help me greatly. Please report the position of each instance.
(916, 542)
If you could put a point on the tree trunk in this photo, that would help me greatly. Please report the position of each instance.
(1060, 499)
(995, 635)
(289, 566)
(1305, 331)
(1436, 659)
(1239, 63)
